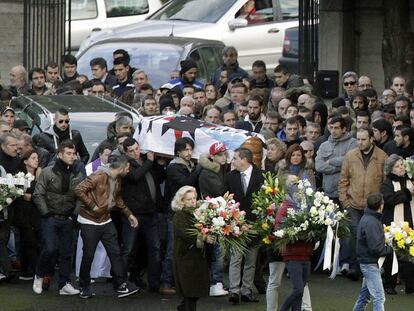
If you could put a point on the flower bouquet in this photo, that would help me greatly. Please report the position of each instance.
(409, 167)
(401, 238)
(222, 218)
(12, 187)
(309, 222)
(265, 204)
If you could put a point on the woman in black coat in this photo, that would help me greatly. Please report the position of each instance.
(397, 190)
(191, 268)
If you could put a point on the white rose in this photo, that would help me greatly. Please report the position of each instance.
(236, 230)
(9, 201)
(313, 210)
(279, 233)
(317, 203)
(309, 192)
(325, 200)
(20, 192)
(300, 186)
(328, 221)
(20, 175)
(8, 175)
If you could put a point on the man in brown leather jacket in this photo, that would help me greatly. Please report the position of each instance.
(99, 193)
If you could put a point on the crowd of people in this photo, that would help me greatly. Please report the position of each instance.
(116, 214)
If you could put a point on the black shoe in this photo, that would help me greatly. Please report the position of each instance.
(353, 275)
(390, 291)
(26, 276)
(249, 298)
(86, 293)
(234, 299)
(140, 282)
(123, 291)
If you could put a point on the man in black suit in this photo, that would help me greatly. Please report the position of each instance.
(243, 181)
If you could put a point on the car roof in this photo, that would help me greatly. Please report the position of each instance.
(180, 41)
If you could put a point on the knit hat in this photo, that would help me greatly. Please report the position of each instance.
(217, 148)
(166, 101)
(186, 65)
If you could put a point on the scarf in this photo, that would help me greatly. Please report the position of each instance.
(399, 208)
(64, 170)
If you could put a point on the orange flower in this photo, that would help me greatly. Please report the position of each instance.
(227, 230)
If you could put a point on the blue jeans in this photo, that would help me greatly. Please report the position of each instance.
(299, 272)
(217, 265)
(57, 239)
(148, 226)
(371, 287)
(167, 276)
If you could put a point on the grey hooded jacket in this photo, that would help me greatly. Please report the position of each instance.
(329, 160)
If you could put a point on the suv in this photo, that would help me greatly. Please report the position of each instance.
(255, 27)
(96, 15)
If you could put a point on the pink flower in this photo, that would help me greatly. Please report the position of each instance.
(242, 213)
(204, 231)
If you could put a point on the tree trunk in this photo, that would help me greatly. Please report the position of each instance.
(398, 40)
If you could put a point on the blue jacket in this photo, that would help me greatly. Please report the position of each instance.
(180, 83)
(370, 238)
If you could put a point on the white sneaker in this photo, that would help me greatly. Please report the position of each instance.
(68, 290)
(218, 290)
(37, 285)
(2, 277)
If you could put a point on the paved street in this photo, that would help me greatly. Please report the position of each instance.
(327, 295)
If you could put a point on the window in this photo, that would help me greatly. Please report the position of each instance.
(201, 71)
(256, 12)
(117, 8)
(290, 9)
(205, 11)
(83, 9)
(209, 57)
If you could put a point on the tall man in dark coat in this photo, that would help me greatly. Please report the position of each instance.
(243, 181)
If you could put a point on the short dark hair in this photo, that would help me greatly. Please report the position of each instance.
(245, 153)
(67, 143)
(62, 111)
(99, 61)
(121, 61)
(274, 115)
(38, 70)
(281, 69)
(383, 125)
(51, 64)
(405, 131)
(117, 161)
(181, 144)
(364, 113)
(128, 143)
(301, 120)
(257, 98)
(405, 119)
(403, 99)
(370, 93)
(374, 201)
(124, 53)
(70, 59)
(94, 82)
(102, 147)
(291, 120)
(259, 63)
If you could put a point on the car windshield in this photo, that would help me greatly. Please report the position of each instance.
(88, 114)
(206, 11)
(158, 60)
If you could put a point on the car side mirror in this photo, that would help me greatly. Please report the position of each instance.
(237, 23)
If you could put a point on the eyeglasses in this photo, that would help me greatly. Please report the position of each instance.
(61, 121)
(306, 151)
(349, 83)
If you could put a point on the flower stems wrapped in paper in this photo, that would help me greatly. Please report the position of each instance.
(222, 218)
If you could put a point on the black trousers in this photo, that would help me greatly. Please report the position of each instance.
(188, 304)
(107, 234)
(5, 264)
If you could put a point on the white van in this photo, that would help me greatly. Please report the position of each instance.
(96, 15)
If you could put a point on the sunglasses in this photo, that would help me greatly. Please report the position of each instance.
(306, 151)
(349, 83)
(61, 121)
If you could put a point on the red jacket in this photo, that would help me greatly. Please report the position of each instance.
(298, 251)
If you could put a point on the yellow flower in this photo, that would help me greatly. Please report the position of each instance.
(405, 226)
(411, 251)
(266, 240)
(269, 190)
(265, 226)
(401, 244)
(398, 236)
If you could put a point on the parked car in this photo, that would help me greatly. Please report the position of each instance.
(290, 54)
(96, 15)
(257, 35)
(88, 114)
(157, 56)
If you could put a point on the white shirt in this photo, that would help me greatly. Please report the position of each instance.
(247, 174)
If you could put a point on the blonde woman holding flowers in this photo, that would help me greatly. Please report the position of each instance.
(191, 268)
(398, 193)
